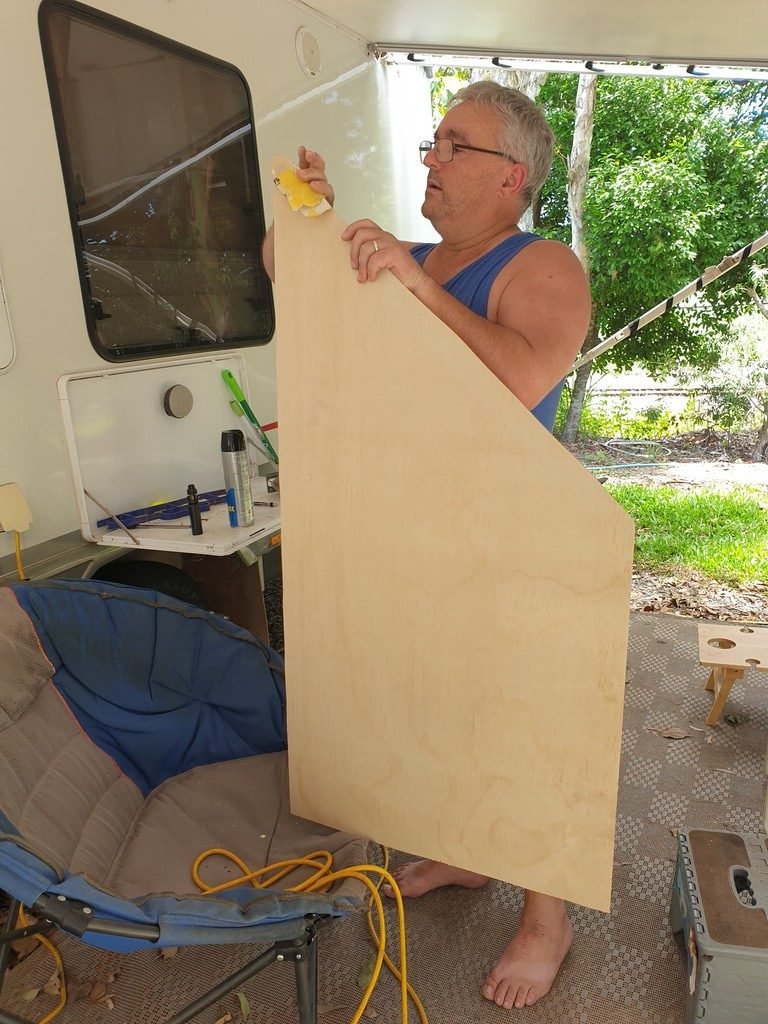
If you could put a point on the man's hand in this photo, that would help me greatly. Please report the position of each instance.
(312, 170)
(372, 249)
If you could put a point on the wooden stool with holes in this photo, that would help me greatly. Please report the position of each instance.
(729, 650)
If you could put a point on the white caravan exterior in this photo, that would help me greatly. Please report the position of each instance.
(316, 76)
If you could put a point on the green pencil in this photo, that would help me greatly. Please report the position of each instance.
(229, 379)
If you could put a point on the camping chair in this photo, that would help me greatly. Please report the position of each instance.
(136, 732)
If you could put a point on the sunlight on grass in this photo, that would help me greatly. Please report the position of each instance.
(723, 536)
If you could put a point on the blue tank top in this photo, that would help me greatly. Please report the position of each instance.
(472, 286)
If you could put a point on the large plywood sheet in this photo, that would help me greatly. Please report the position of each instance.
(456, 591)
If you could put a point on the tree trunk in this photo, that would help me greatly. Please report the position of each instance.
(578, 166)
(579, 389)
(528, 82)
(535, 214)
(578, 172)
(760, 451)
(758, 301)
(576, 405)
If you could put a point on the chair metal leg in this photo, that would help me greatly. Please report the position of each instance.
(219, 991)
(306, 981)
(8, 928)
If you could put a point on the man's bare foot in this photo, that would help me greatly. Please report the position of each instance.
(422, 876)
(529, 965)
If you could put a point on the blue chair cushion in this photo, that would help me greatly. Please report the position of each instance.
(195, 690)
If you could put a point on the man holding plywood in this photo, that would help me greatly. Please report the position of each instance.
(521, 304)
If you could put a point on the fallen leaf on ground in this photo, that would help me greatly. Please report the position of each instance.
(245, 1006)
(78, 990)
(366, 973)
(732, 718)
(98, 991)
(52, 987)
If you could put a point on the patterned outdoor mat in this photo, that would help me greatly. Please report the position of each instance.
(623, 967)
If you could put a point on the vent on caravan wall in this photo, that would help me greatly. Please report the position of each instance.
(308, 53)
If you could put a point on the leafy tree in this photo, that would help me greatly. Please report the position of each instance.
(444, 83)
(678, 179)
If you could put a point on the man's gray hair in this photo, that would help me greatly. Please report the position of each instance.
(525, 134)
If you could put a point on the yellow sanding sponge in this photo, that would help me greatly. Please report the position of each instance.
(298, 192)
(300, 195)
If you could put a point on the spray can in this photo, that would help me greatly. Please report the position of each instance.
(236, 480)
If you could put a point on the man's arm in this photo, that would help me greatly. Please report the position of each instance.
(539, 308)
(541, 315)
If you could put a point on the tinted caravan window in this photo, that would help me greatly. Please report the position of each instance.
(161, 174)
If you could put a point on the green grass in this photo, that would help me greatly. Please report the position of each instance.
(722, 536)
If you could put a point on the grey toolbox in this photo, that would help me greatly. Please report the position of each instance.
(720, 905)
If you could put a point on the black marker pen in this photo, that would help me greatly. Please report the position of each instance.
(194, 511)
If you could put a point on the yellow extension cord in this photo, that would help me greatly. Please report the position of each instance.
(322, 877)
(19, 562)
(319, 881)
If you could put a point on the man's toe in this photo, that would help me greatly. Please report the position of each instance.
(520, 998)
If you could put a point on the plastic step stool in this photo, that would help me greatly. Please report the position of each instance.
(720, 905)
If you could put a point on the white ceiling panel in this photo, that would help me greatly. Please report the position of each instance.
(707, 31)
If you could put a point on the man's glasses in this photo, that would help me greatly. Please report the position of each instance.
(445, 148)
